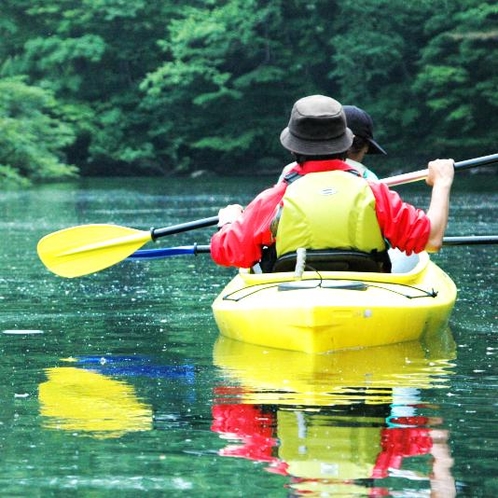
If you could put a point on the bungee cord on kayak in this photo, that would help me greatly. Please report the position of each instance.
(289, 285)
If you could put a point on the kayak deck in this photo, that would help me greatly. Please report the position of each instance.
(328, 311)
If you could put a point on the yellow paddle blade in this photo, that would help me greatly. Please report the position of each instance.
(73, 252)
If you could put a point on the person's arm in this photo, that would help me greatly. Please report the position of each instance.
(243, 234)
(404, 226)
(411, 229)
(441, 478)
(440, 177)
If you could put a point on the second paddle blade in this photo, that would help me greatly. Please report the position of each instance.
(77, 251)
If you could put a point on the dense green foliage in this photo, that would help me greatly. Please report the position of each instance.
(140, 87)
(32, 134)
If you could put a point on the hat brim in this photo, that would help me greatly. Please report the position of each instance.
(374, 147)
(316, 147)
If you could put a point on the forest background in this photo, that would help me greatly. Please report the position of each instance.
(162, 87)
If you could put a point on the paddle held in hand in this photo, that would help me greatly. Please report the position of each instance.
(77, 251)
(416, 176)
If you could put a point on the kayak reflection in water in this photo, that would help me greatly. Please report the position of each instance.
(348, 422)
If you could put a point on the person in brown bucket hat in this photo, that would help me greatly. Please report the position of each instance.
(324, 203)
(317, 127)
(361, 124)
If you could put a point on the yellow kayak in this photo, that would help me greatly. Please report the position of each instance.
(334, 310)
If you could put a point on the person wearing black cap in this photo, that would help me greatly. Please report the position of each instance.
(361, 124)
(326, 203)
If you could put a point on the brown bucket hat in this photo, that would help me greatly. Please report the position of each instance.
(317, 126)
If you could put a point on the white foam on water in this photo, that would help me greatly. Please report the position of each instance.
(22, 332)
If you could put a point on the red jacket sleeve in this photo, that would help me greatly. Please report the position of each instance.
(240, 243)
(403, 225)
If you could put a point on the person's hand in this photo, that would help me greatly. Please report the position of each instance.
(229, 214)
(441, 171)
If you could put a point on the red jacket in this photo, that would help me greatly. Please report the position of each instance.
(240, 244)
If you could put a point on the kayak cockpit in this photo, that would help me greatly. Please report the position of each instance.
(330, 260)
(401, 262)
(391, 261)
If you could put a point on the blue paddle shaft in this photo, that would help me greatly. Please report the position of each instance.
(195, 249)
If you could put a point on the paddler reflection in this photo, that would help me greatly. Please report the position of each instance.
(337, 423)
(89, 403)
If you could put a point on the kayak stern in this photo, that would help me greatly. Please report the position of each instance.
(339, 310)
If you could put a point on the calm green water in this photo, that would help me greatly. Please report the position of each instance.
(118, 382)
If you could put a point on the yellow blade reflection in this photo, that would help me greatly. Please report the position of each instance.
(73, 399)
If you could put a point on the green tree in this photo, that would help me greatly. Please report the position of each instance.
(231, 72)
(93, 55)
(33, 135)
(163, 87)
(376, 61)
(458, 77)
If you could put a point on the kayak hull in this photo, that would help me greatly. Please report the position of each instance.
(336, 310)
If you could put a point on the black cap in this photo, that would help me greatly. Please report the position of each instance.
(361, 124)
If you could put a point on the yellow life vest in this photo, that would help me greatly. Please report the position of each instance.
(328, 210)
